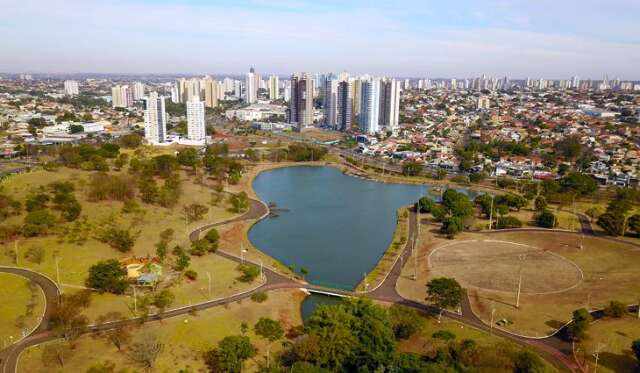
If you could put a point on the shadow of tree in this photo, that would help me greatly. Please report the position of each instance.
(619, 362)
(555, 324)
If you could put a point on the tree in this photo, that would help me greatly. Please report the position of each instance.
(635, 347)
(457, 203)
(581, 320)
(230, 355)
(34, 254)
(249, 273)
(146, 350)
(528, 362)
(56, 353)
(405, 321)
(615, 309)
(118, 334)
(444, 292)
(182, 261)
(161, 250)
(194, 212)
(451, 226)
(411, 168)
(425, 204)
(67, 320)
(163, 299)
(239, 202)
(270, 330)
(76, 128)
(540, 203)
(120, 239)
(612, 223)
(188, 157)
(131, 141)
(506, 222)
(37, 222)
(107, 276)
(546, 219)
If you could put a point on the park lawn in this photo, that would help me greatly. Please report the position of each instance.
(185, 337)
(21, 308)
(614, 337)
(609, 270)
(75, 257)
(423, 343)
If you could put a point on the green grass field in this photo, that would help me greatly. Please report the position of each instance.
(185, 338)
(76, 257)
(21, 307)
(612, 338)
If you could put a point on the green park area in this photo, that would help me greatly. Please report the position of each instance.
(21, 307)
(610, 339)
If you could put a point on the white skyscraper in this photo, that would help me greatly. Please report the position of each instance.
(251, 87)
(121, 96)
(390, 104)
(274, 87)
(195, 120)
(155, 119)
(138, 91)
(71, 88)
(370, 106)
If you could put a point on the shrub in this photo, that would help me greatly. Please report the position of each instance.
(444, 335)
(191, 274)
(120, 239)
(546, 219)
(34, 254)
(259, 297)
(249, 273)
(615, 309)
(506, 222)
(37, 222)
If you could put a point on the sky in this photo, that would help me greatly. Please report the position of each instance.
(552, 39)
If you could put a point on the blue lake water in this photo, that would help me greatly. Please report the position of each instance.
(336, 226)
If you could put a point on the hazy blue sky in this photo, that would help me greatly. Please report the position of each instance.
(454, 38)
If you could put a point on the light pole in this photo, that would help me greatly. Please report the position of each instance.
(493, 311)
(522, 258)
(491, 213)
(135, 300)
(209, 280)
(596, 355)
(15, 248)
(58, 270)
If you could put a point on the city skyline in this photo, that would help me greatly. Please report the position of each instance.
(553, 40)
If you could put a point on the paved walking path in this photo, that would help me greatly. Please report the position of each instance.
(555, 348)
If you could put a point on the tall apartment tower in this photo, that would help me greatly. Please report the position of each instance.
(155, 118)
(138, 91)
(370, 106)
(195, 120)
(274, 87)
(251, 87)
(344, 105)
(301, 101)
(71, 88)
(211, 93)
(330, 102)
(121, 96)
(389, 104)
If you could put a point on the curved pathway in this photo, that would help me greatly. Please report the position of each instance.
(9, 356)
(555, 348)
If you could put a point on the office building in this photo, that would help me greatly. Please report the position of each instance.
(483, 103)
(71, 88)
(155, 119)
(195, 120)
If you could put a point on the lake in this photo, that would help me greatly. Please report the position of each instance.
(337, 226)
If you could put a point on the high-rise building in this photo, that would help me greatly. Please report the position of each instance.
(195, 120)
(188, 89)
(155, 119)
(71, 88)
(251, 87)
(483, 103)
(330, 101)
(344, 105)
(175, 94)
(121, 96)
(370, 106)
(274, 87)
(390, 104)
(356, 88)
(211, 96)
(138, 91)
(301, 101)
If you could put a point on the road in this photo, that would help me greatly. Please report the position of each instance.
(9, 356)
(554, 348)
